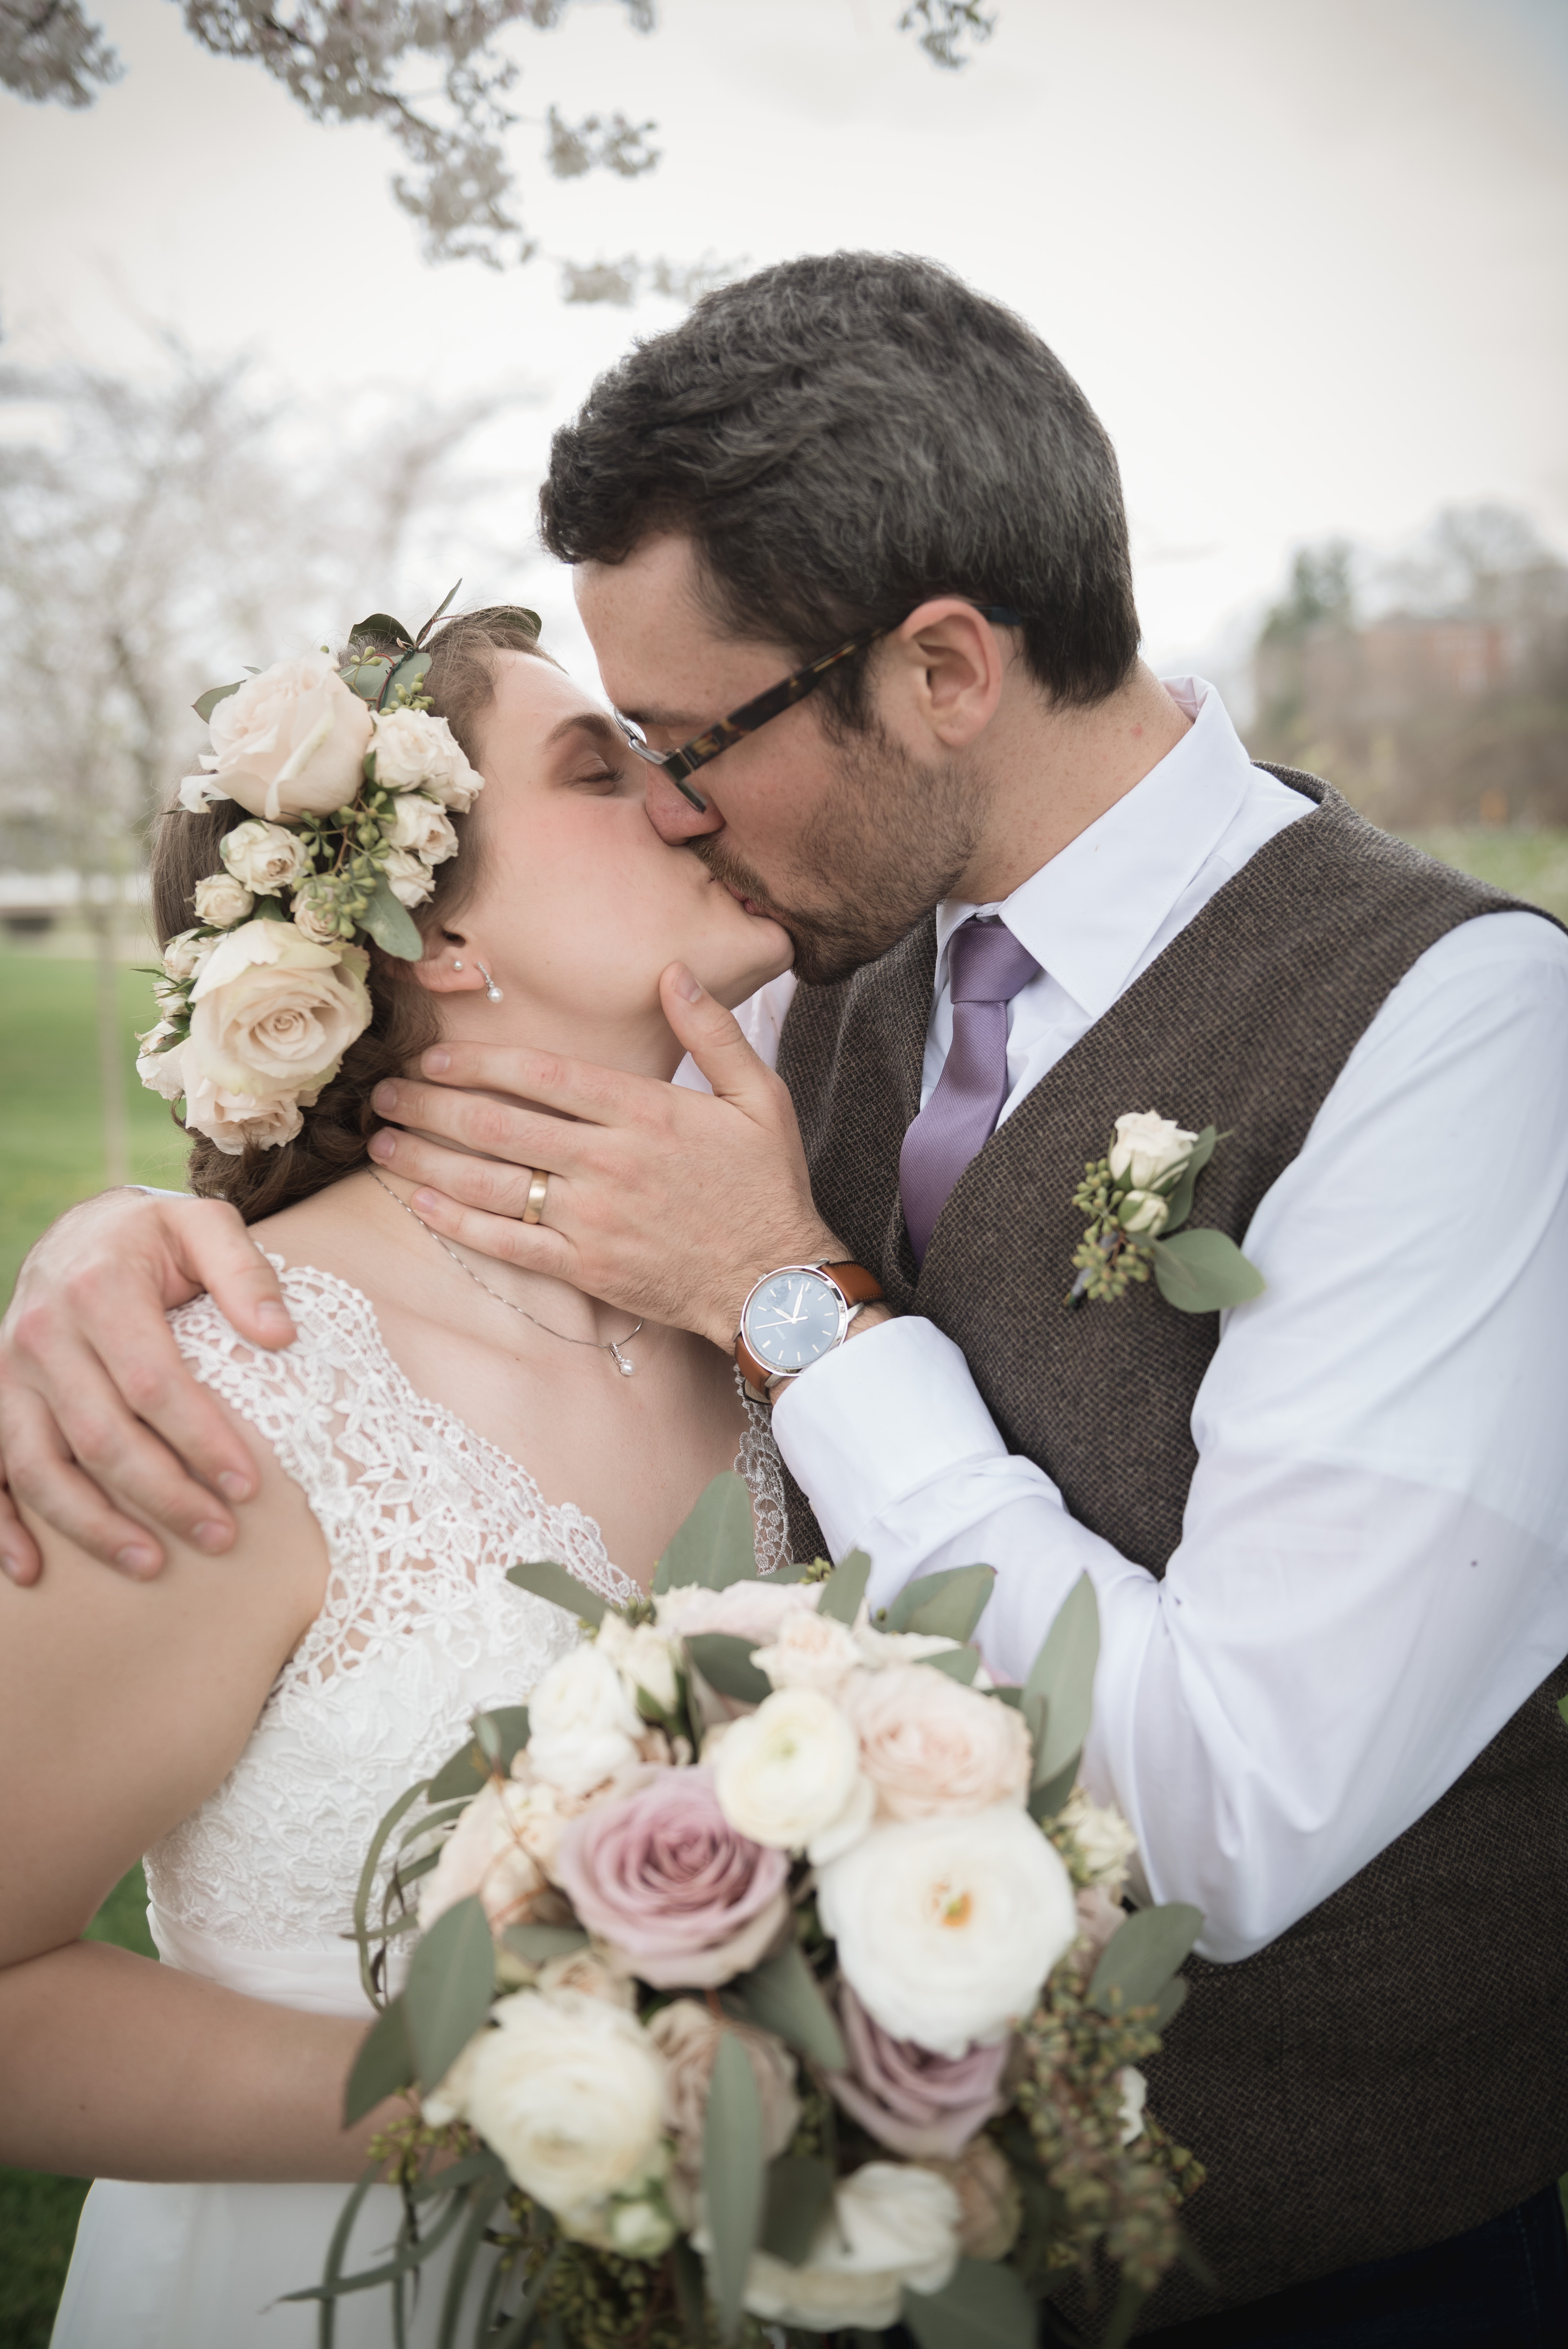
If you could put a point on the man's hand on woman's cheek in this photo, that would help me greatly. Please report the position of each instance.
(665, 1201)
(103, 1430)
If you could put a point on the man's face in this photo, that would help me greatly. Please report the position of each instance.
(846, 843)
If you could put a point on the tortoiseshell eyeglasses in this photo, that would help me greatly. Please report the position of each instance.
(726, 731)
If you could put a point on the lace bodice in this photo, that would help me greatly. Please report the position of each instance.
(419, 1628)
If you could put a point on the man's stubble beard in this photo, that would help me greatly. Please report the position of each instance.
(887, 844)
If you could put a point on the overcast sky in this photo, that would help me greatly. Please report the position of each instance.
(1307, 257)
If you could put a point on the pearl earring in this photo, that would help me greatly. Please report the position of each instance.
(455, 964)
(492, 992)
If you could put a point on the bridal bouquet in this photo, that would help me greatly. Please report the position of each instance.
(772, 1978)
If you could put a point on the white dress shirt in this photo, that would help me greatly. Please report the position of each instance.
(1371, 1574)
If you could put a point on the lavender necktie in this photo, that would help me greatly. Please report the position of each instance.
(987, 967)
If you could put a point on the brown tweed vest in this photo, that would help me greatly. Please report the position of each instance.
(1394, 2069)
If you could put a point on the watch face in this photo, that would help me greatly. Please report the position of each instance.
(792, 1318)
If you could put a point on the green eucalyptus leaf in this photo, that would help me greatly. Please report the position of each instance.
(1130, 2299)
(481, 2202)
(733, 2177)
(452, 1982)
(438, 612)
(384, 2064)
(1140, 1956)
(365, 673)
(1179, 1196)
(716, 1546)
(691, 2296)
(205, 703)
(547, 1578)
(845, 1588)
(725, 1663)
(268, 909)
(800, 2189)
(501, 1733)
(948, 1605)
(1202, 1272)
(1170, 2001)
(958, 1663)
(381, 629)
(537, 1944)
(391, 924)
(783, 1995)
(411, 2253)
(1059, 1690)
(464, 1774)
(1046, 1799)
(985, 2306)
(408, 677)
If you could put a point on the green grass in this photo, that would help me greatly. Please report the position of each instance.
(1529, 865)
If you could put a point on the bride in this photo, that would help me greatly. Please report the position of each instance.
(244, 1721)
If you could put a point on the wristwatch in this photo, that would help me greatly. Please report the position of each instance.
(796, 1315)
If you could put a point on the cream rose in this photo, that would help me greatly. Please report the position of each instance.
(264, 856)
(415, 749)
(931, 1746)
(809, 1650)
(644, 1659)
(184, 954)
(569, 2091)
(408, 877)
(274, 1012)
(582, 1725)
(890, 2226)
(160, 1065)
(222, 900)
(687, 2036)
(238, 1121)
(787, 1773)
(1148, 1147)
(485, 1855)
(417, 823)
(946, 1927)
(291, 742)
(747, 1610)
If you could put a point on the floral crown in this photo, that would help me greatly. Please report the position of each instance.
(349, 781)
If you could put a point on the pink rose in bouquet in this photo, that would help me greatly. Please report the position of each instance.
(908, 2098)
(932, 1747)
(665, 1878)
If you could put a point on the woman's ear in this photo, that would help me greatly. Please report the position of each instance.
(448, 968)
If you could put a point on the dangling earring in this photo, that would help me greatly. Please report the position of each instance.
(492, 992)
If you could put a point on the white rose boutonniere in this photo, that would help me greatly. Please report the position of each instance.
(1135, 1198)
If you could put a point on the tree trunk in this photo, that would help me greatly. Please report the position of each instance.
(102, 913)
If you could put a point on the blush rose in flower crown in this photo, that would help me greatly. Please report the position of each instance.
(348, 780)
(772, 1973)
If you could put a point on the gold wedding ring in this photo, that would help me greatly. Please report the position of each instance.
(537, 1188)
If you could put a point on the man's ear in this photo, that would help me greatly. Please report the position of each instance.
(951, 663)
(447, 967)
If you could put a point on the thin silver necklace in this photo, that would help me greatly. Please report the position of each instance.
(610, 1346)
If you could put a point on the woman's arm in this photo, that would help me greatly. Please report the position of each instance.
(121, 1707)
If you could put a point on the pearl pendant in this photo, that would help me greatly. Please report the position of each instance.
(626, 1369)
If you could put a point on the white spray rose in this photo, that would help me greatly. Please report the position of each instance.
(408, 877)
(184, 954)
(1146, 1147)
(809, 1650)
(222, 900)
(1144, 1214)
(415, 749)
(159, 1065)
(264, 856)
(417, 823)
(485, 1855)
(789, 1772)
(1105, 1841)
(946, 1927)
(569, 2091)
(582, 1725)
(747, 1610)
(274, 1013)
(291, 742)
(644, 1659)
(315, 919)
(890, 2226)
(238, 1121)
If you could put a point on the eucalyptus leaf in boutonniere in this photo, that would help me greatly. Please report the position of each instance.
(1136, 1198)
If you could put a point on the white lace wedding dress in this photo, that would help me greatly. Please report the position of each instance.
(419, 1629)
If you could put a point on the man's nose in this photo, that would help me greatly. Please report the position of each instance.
(672, 815)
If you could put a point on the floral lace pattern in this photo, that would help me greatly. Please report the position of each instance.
(419, 1628)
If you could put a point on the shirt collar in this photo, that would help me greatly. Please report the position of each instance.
(1088, 915)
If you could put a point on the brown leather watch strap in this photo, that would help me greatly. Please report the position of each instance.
(854, 1284)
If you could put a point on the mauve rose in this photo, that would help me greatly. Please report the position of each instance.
(909, 2099)
(665, 1879)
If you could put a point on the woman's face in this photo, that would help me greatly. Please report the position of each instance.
(578, 905)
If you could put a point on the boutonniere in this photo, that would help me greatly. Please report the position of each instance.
(1136, 1198)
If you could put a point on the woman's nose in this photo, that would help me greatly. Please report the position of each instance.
(673, 816)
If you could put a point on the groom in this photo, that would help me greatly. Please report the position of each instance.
(851, 548)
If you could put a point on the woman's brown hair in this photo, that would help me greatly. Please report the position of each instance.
(460, 684)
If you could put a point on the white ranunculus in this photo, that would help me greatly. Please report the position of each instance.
(184, 954)
(1144, 1214)
(569, 2091)
(644, 1658)
(890, 2226)
(408, 877)
(239, 1120)
(1148, 1147)
(415, 749)
(809, 1650)
(581, 1725)
(1134, 2096)
(789, 1771)
(946, 1927)
(291, 742)
(274, 1012)
(222, 900)
(265, 857)
(417, 823)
